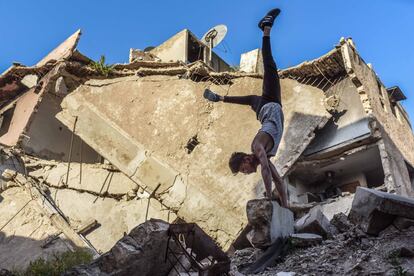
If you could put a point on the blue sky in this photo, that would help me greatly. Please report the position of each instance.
(382, 30)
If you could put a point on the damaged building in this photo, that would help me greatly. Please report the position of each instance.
(94, 153)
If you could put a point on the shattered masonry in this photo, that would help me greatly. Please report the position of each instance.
(102, 150)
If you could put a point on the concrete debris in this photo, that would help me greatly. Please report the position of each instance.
(24, 228)
(305, 239)
(269, 222)
(375, 210)
(350, 253)
(403, 223)
(314, 222)
(341, 223)
(141, 252)
(158, 248)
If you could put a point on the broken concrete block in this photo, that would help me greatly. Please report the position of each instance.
(142, 251)
(403, 223)
(374, 210)
(341, 222)
(305, 239)
(269, 222)
(314, 222)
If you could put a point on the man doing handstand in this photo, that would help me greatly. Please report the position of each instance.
(268, 108)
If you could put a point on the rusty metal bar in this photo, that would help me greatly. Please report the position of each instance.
(70, 150)
(152, 195)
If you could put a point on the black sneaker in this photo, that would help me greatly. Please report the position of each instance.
(211, 96)
(269, 18)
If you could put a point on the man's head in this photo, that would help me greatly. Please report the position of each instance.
(243, 162)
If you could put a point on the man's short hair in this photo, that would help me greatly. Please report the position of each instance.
(235, 161)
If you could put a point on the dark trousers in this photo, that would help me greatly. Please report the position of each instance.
(271, 83)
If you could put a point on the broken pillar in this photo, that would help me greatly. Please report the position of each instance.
(269, 222)
(374, 210)
(314, 222)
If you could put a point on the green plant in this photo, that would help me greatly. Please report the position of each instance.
(101, 67)
(394, 260)
(56, 265)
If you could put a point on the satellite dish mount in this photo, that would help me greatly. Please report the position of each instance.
(212, 38)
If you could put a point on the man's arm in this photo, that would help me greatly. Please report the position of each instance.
(260, 154)
(279, 185)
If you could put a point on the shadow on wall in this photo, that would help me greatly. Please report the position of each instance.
(17, 252)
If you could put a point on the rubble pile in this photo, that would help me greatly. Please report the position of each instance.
(352, 252)
(351, 248)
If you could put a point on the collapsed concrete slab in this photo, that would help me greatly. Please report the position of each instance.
(269, 222)
(375, 210)
(142, 136)
(314, 222)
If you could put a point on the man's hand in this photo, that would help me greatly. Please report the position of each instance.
(280, 187)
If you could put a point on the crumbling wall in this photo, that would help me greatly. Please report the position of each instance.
(26, 234)
(397, 178)
(25, 105)
(376, 103)
(48, 138)
(145, 126)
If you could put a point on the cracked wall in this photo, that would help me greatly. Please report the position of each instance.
(142, 125)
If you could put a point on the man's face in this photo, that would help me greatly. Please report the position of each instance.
(248, 165)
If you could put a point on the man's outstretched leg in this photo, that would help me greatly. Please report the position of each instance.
(271, 82)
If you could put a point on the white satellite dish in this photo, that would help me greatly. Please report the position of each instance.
(214, 36)
(211, 39)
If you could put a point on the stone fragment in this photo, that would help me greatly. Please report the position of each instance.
(305, 239)
(374, 210)
(269, 222)
(141, 252)
(314, 222)
(286, 273)
(403, 223)
(341, 222)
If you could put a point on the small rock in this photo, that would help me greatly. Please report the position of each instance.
(314, 222)
(286, 274)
